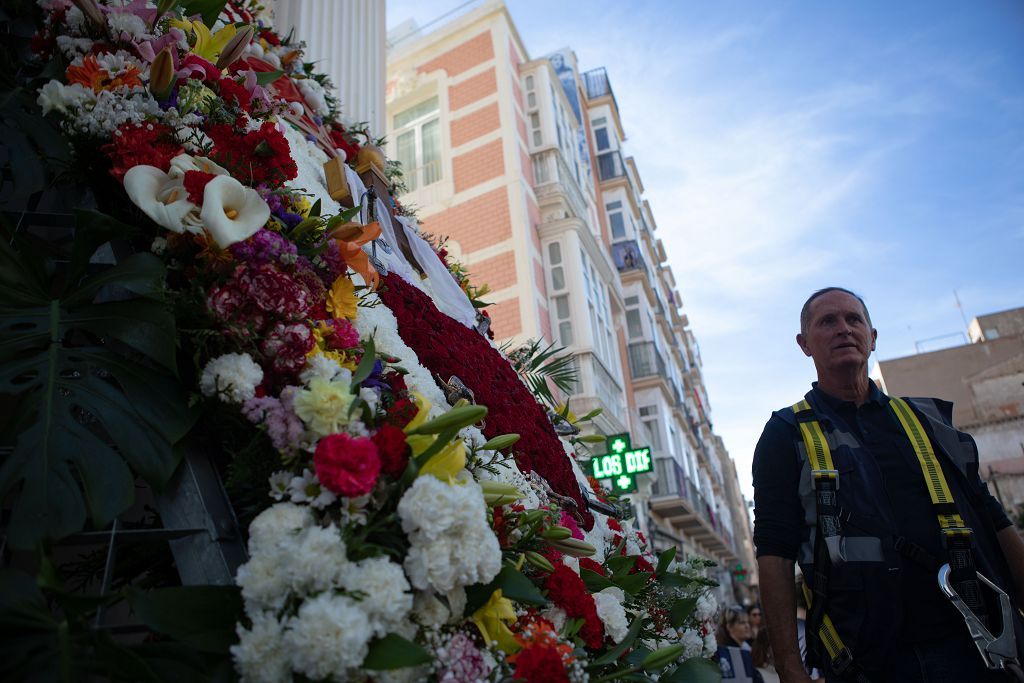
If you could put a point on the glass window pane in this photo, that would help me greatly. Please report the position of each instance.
(618, 225)
(599, 121)
(633, 323)
(529, 82)
(419, 111)
(613, 205)
(565, 333)
(555, 253)
(562, 307)
(536, 137)
(557, 278)
(531, 100)
(431, 136)
(601, 137)
(405, 152)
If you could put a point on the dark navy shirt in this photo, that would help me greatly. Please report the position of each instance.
(779, 526)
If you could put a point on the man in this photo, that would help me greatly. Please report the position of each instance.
(865, 526)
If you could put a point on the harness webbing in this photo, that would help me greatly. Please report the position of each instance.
(956, 535)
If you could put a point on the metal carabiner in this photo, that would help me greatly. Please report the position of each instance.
(999, 652)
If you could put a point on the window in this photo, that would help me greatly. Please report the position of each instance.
(601, 133)
(562, 320)
(535, 126)
(649, 419)
(616, 220)
(417, 138)
(560, 310)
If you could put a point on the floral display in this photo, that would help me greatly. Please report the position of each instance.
(395, 530)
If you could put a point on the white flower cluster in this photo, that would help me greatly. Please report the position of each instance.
(232, 377)
(344, 604)
(315, 96)
(612, 614)
(452, 543)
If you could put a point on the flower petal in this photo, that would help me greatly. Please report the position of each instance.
(232, 212)
(145, 185)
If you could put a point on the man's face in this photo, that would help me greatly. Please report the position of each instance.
(838, 336)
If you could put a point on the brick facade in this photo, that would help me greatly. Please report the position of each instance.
(478, 165)
(472, 126)
(462, 57)
(499, 272)
(475, 223)
(472, 89)
(505, 318)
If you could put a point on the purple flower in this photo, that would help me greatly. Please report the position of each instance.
(265, 246)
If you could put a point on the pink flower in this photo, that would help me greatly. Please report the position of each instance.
(286, 346)
(569, 523)
(346, 465)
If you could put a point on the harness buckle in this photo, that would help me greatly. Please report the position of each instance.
(842, 661)
(826, 476)
(997, 651)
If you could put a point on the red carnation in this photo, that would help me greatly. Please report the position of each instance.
(235, 93)
(254, 157)
(401, 413)
(587, 563)
(345, 465)
(540, 663)
(393, 450)
(152, 144)
(195, 184)
(567, 590)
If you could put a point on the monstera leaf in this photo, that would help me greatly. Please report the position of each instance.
(90, 363)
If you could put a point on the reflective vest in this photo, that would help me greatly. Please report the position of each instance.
(864, 612)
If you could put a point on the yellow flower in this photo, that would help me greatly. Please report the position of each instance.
(447, 462)
(341, 300)
(323, 406)
(301, 206)
(570, 416)
(208, 45)
(491, 620)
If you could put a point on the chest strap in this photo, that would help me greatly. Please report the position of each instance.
(957, 537)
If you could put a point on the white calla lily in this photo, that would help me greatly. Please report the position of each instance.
(186, 162)
(232, 212)
(161, 197)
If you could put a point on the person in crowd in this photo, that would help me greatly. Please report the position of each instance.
(733, 652)
(761, 656)
(873, 495)
(754, 612)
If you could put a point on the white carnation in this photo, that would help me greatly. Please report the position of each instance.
(710, 644)
(328, 637)
(611, 612)
(232, 377)
(260, 656)
(277, 521)
(325, 368)
(557, 617)
(314, 560)
(428, 609)
(264, 585)
(706, 607)
(126, 22)
(693, 643)
(387, 598)
(451, 543)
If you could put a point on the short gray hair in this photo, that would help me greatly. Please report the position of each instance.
(805, 312)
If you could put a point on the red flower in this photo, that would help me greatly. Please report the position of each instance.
(567, 590)
(587, 563)
(393, 450)
(614, 525)
(152, 144)
(345, 465)
(286, 347)
(200, 68)
(447, 348)
(269, 36)
(255, 157)
(195, 184)
(235, 93)
(541, 662)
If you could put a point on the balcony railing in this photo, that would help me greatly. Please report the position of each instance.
(596, 83)
(607, 389)
(610, 166)
(645, 360)
(552, 175)
(628, 256)
(672, 480)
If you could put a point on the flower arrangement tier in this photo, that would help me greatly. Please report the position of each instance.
(408, 509)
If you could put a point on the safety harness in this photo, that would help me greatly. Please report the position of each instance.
(957, 537)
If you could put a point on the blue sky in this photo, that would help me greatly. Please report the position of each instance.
(789, 146)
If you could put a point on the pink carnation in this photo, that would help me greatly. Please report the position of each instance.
(346, 465)
(569, 523)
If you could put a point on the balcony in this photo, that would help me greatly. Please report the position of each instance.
(602, 385)
(628, 256)
(610, 166)
(554, 180)
(674, 496)
(596, 84)
(645, 360)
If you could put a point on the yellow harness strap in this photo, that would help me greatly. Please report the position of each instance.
(823, 469)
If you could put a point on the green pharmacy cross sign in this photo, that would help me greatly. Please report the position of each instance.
(621, 463)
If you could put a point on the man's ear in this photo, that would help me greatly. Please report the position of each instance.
(801, 341)
(874, 338)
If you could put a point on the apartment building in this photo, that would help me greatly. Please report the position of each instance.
(522, 163)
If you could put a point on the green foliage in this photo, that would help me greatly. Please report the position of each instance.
(209, 10)
(538, 366)
(90, 363)
(695, 670)
(394, 652)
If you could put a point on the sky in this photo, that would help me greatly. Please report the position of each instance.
(789, 146)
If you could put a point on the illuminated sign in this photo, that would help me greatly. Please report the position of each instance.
(621, 463)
